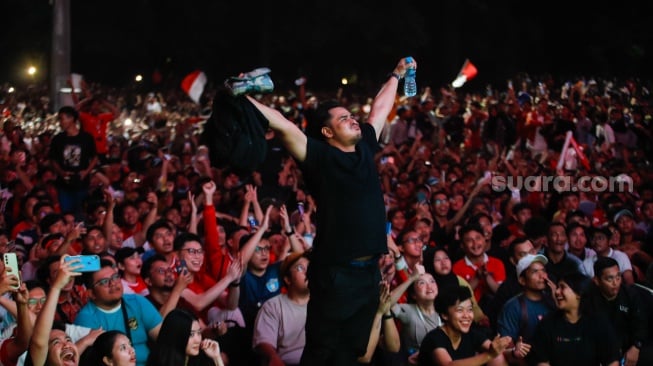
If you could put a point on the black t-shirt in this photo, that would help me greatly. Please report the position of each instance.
(73, 153)
(346, 186)
(590, 341)
(471, 343)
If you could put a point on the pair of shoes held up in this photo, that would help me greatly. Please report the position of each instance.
(255, 81)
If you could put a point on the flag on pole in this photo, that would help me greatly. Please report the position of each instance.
(563, 152)
(569, 140)
(581, 155)
(193, 85)
(467, 72)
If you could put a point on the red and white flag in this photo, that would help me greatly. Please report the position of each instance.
(580, 155)
(467, 72)
(193, 85)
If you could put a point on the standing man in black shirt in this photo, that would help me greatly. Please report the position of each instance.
(339, 168)
(74, 157)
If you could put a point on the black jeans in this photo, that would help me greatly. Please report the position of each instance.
(341, 311)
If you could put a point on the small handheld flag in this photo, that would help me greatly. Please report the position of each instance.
(467, 72)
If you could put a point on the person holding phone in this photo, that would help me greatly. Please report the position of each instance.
(49, 344)
(337, 159)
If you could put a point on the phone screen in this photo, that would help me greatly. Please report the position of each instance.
(181, 266)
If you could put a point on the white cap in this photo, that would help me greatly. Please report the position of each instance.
(529, 259)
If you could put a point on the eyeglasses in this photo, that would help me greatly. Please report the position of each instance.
(162, 271)
(34, 301)
(300, 268)
(194, 251)
(262, 249)
(413, 241)
(195, 332)
(106, 281)
(439, 202)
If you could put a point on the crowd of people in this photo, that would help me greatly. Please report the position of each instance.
(204, 263)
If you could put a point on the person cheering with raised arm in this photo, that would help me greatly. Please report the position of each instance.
(337, 160)
(49, 344)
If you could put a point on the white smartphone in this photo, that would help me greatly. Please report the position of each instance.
(11, 266)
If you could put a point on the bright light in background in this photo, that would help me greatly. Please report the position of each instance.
(128, 122)
(344, 81)
(139, 78)
(31, 70)
(11, 89)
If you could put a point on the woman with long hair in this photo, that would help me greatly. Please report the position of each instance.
(572, 335)
(438, 263)
(111, 348)
(180, 343)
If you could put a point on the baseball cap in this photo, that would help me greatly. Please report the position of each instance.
(622, 213)
(125, 252)
(529, 259)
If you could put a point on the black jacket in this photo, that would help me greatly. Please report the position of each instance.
(235, 133)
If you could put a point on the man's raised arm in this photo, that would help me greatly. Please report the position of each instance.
(385, 98)
(292, 137)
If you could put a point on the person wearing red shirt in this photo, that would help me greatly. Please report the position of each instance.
(203, 292)
(96, 114)
(484, 273)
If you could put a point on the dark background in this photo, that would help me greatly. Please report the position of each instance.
(114, 40)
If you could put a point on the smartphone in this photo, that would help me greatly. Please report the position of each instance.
(89, 263)
(11, 266)
(181, 266)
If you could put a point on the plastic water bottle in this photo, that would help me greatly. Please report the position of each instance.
(410, 85)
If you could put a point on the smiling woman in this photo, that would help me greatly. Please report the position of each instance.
(172, 348)
(456, 339)
(572, 335)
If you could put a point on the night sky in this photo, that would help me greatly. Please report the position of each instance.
(114, 40)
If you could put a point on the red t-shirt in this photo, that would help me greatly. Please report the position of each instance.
(201, 283)
(96, 125)
(466, 270)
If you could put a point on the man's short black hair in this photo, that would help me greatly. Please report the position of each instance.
(158, 224)
(536, 227)
(470, 227)
(520, 206)
(185, 238)
(572, 226)
(43, 272)
(451, 296)
(147, 265)
(69, 111)
(319, 118)
(516, 241)
(603, 263)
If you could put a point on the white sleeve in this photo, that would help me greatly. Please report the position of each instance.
(76, 332)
